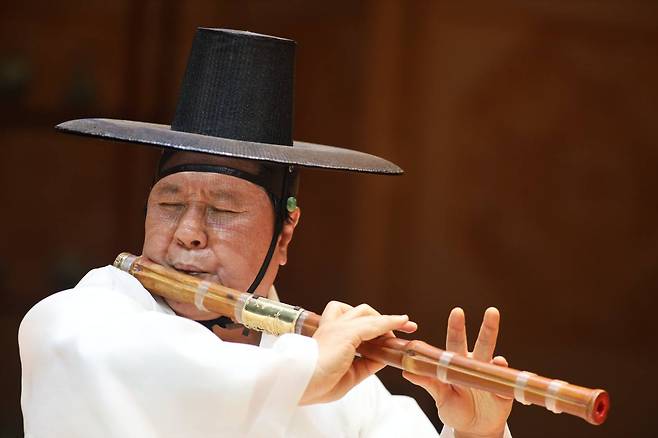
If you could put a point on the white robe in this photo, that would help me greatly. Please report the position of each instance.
(106, 359)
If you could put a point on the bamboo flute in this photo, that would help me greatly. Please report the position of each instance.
(418, 357)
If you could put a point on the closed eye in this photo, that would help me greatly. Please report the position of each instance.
(171, 205)
(223, 210)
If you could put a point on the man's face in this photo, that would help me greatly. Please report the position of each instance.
(213, 226)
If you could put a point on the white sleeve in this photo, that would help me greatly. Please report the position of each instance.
(97, 364)
(449, 432)
(397, 416)
(392, 415)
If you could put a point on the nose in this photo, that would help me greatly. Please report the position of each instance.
(191, 231)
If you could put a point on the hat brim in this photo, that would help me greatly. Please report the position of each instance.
(300, 154)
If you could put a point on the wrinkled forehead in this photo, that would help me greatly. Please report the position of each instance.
(215, 189)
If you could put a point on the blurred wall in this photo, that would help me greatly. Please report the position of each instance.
(527, 131)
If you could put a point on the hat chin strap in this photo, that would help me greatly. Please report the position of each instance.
(278, 226)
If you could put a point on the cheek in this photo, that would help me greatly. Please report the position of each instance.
(233, 243)
(245, 230)
(246, 242)
(157, 235)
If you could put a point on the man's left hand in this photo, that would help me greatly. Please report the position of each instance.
(470, 412)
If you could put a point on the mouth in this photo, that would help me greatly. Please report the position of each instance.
(193, 271)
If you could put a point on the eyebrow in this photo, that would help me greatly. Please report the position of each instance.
(216, 194)
(223, 195)
(168, 189)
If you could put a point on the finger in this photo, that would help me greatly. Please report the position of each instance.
(408, 327)
(486, 341)
(361, 369)
(500, 361)
(333, 310)
(370, 327)
(361, 310)
(366, 310)
(456, 336)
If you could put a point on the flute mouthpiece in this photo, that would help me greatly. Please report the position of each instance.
(124, 261)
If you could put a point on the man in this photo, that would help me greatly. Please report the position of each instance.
(109, 359)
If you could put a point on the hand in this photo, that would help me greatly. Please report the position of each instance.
(471, 412)
(342, 329)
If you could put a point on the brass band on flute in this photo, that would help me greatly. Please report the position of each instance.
(262, 314)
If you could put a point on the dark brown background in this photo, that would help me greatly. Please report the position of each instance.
(527, 131)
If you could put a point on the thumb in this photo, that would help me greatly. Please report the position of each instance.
(437, 389)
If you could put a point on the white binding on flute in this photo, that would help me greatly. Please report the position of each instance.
(520, 385)
(551, 396)
(200, 294)
(442, 368)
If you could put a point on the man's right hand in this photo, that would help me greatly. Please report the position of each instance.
(341, 331)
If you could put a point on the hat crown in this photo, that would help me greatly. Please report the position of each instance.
(238, 85)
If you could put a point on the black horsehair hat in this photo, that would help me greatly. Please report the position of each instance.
(237, 101)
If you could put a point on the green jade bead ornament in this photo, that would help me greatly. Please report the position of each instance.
(291, 204)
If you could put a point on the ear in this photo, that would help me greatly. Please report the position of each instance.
(285, 237)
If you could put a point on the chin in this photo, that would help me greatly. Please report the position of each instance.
(190, 311)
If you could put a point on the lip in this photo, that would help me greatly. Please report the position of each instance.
(196, 271)
(190, 269)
